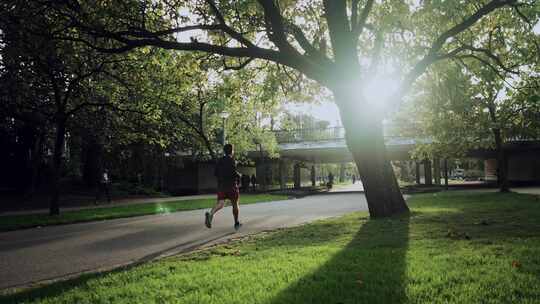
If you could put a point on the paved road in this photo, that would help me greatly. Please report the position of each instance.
(358, 186)
(30, 256)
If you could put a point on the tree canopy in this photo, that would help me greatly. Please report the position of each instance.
(338, 46)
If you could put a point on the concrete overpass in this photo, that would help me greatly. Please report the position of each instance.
(329, 146)
(306, 147)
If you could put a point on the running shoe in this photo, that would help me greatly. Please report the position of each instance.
(237, 226)
(208, 220)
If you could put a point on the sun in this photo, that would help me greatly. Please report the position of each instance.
(379, 89)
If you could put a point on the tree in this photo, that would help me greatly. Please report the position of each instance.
(296, 34)
(49, 82)
(189, 93)
(468, 105)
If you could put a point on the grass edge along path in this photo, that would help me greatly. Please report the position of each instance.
(24, 221)
(453, 248)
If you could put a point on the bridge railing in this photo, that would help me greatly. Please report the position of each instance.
(334, 133)
(301, 135)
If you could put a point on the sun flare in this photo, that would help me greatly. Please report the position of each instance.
(380, 89)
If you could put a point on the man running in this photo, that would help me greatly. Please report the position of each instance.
(227, 180)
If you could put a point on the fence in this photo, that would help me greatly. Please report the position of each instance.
(301, 135)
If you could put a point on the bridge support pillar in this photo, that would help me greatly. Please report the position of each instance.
(427, 172)
(282, 177)
(417, 172)
(445, 168)
(313, 174)
(342, 173)
(437, 171)
(297, 176)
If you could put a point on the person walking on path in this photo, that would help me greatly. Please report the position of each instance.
(103, 186)
(227, 179)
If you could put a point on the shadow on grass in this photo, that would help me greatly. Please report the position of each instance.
(370, 269)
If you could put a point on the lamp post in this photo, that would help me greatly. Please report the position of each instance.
(224, 115)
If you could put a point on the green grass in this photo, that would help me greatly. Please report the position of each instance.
(453, 248)
(14, 222)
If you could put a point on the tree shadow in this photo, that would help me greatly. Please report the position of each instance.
(370, 269)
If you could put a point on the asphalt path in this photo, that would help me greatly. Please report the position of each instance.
(39, 255)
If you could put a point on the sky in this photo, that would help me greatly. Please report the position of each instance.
(324, 110)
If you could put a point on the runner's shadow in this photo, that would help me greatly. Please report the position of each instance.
(370, 269)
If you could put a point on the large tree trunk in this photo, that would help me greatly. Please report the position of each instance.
(54, 206)
(37, 156)
(502, 163)
(365, 140)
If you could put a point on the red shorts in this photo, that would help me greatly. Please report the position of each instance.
(232, 195)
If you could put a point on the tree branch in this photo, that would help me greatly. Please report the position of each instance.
(344, 47)
(354, 13)
(275, 27)
(437, 45)
(358, 28)
(109, 105)
(236, 67)
(492, 56)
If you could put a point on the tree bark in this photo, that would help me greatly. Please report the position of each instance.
(54, 206)
(37, 156)
(364, 135)
(502, 163)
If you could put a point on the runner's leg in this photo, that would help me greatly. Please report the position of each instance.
(209, 216)
(235, 210)
(218, 206)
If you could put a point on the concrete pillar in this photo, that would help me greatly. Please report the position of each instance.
(404, 166)
(313, 182)
(342, 173)
(437, 171)
(282, 183)
(297, 176)
(427, 173)
(445, 169)
(268, 175)
(417, 173)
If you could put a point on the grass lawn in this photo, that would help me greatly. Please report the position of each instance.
(454, 248)
(26, 221)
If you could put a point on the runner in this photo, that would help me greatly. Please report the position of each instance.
(227, 179)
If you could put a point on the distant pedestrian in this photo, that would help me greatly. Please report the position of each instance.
(253, 182)
(103, 186)
(227, 178)
(354, 179)
(331, 178)
(330, 182)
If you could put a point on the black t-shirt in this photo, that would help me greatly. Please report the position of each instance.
(226, 174)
